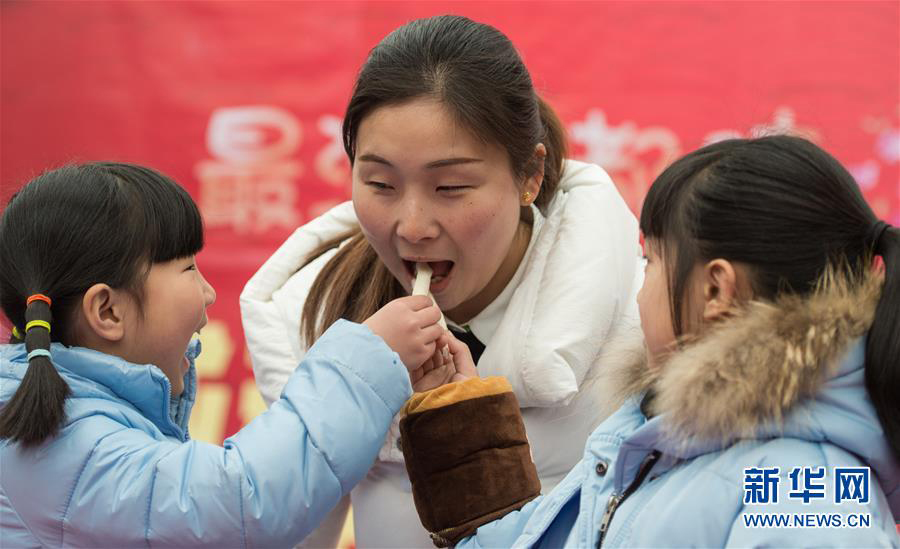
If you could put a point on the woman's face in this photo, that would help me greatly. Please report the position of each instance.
(426, 189)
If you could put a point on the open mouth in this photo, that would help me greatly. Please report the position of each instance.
(441, 272)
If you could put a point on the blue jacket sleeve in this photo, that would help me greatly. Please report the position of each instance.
(272, 482)
(503, 532)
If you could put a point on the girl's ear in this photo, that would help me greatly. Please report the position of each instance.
(720, 289)
(103, 310)
(532, 186)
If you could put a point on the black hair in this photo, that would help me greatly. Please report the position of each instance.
(789, 211)
(63, 232)
(475, 71)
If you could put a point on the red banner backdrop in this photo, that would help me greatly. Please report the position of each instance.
(241, 102)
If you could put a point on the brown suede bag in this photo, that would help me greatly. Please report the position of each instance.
(467, 456)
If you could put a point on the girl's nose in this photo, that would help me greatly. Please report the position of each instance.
(416, 223)
(209, 293)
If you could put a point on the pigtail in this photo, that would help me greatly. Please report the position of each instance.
(36, 411)
(883, 343)
(554, 140)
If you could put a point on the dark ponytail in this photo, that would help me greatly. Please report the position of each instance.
(557, 148)
(63, 232)
(37, 409)
(883, 344)
(353, 285)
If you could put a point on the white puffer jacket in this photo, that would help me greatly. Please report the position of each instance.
(568, 323)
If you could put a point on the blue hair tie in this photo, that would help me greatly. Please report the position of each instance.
(38, 352)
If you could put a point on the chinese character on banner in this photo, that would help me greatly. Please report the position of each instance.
(633, 156)
(813, 483)
(851, 484)
(783, 122)
(761, 485)
(332, 165)
(875, 167)
(251, 185)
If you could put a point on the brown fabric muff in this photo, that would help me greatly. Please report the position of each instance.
(467, 456)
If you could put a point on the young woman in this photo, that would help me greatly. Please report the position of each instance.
(457, 162)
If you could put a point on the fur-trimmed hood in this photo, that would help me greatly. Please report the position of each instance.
(753, 369)
(780, 387)
(793, 368)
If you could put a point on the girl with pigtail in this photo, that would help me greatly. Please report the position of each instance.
(766, 410)
(100, 283)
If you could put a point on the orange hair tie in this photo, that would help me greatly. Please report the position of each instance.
(39, 297)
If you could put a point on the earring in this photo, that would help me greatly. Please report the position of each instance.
(526, 198)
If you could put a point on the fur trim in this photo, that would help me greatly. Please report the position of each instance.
(753, 368)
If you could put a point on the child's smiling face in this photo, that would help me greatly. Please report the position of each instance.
(174, 303)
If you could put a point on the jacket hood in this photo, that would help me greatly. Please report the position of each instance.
(793, 368)
(92, 374)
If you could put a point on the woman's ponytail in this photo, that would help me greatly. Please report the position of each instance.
(353, 285)
(883, 344)
(36, 411)
(556, 144)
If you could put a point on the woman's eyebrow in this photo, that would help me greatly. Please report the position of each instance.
(443, 163)
(452, 162)
(369, 157)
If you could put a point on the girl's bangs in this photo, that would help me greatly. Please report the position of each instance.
(169, 222)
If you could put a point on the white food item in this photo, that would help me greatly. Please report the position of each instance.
(421, 285)
(423, 279)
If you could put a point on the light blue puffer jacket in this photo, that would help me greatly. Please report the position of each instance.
(124, 473)
(780, 387)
